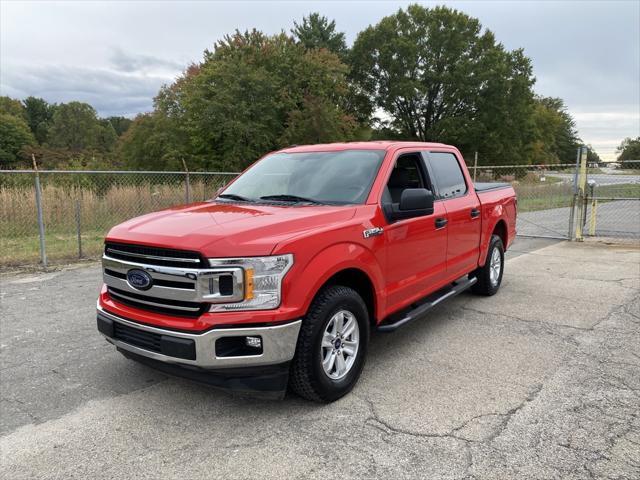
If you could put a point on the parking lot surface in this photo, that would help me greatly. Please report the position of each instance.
(540, 381)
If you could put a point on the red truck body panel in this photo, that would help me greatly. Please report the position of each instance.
(409, 260)
(224, 230)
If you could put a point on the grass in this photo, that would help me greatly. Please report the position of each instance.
(543, 196)
(97, 212)
(537, 197)
(551, 180)
(623, 190)
(16, 251)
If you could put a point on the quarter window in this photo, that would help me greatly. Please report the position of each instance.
(447, 174)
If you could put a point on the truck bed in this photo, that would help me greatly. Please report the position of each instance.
(497, 200)
(486, 186)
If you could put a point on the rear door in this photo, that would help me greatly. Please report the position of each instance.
(461, 203)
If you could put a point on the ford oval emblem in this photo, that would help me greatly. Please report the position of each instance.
(139, 279)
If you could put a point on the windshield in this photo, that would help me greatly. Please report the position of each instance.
(341, 177)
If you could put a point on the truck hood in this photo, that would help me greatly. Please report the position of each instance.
(217, 229)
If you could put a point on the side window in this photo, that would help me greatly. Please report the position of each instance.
(406, 174)
(447, 174)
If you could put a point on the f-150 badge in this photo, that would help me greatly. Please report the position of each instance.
(372, 232)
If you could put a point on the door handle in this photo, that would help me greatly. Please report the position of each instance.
(475, 213)
(441, 222)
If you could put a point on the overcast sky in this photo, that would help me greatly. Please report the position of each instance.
(115, 55)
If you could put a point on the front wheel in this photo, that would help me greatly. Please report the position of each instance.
(332, 345)
(490, 275)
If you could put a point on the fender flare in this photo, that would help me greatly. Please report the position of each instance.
(334, 259)
(494, 217)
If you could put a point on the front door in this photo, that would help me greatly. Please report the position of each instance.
(415, 247)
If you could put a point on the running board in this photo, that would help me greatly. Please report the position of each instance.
(427, 304)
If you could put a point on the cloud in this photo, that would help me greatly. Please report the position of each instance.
(130, 62)
(591, 89)
(110, 92)
(587, 53)
(605, 130)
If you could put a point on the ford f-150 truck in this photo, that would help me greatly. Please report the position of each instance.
(280, 278)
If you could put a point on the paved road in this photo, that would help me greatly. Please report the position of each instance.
(553, 222)
(540, 381)
(600, 178)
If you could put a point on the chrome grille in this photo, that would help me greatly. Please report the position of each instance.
(154, 255)
(168, 307)
(159, 282)
(181, 285)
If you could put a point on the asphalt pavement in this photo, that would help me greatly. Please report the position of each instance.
(540, 381)
(601, 179)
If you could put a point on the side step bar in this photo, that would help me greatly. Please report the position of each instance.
(427, 304)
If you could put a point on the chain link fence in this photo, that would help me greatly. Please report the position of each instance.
(613, 201)
(549, 200)
(77, 208)
(545, 195)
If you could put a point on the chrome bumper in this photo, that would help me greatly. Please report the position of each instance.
(278, 344)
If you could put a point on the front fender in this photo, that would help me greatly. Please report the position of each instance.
(329, 261)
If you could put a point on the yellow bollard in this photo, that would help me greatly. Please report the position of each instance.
(592, 220)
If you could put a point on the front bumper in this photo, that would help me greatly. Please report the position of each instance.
(266, 382)
(199, 349)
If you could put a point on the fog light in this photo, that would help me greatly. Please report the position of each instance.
(253, 342)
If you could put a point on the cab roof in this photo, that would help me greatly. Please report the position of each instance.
(373, 145)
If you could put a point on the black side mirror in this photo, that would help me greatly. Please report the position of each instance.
(414, 202)
(416, 199)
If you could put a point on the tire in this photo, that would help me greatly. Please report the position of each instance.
(308, 377)
(486, 284)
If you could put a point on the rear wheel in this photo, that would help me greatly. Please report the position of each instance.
(490, 275)
(332, 345)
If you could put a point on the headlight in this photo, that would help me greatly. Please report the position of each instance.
(262, 281)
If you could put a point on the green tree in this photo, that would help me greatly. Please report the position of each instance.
(152, 143)
(254, 93)
(11, 106)
(592, 156)
(14, 136)
(317, 31)
(106, 136)
(437, 76)
(39, 114)
(120, 124)
(629, 149)
(76, 127)
(555, 136)
(317, 121)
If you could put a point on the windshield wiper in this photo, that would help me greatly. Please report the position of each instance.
(290, 198)
(233, 196)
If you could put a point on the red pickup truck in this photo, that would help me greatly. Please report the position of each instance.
(279, 279)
